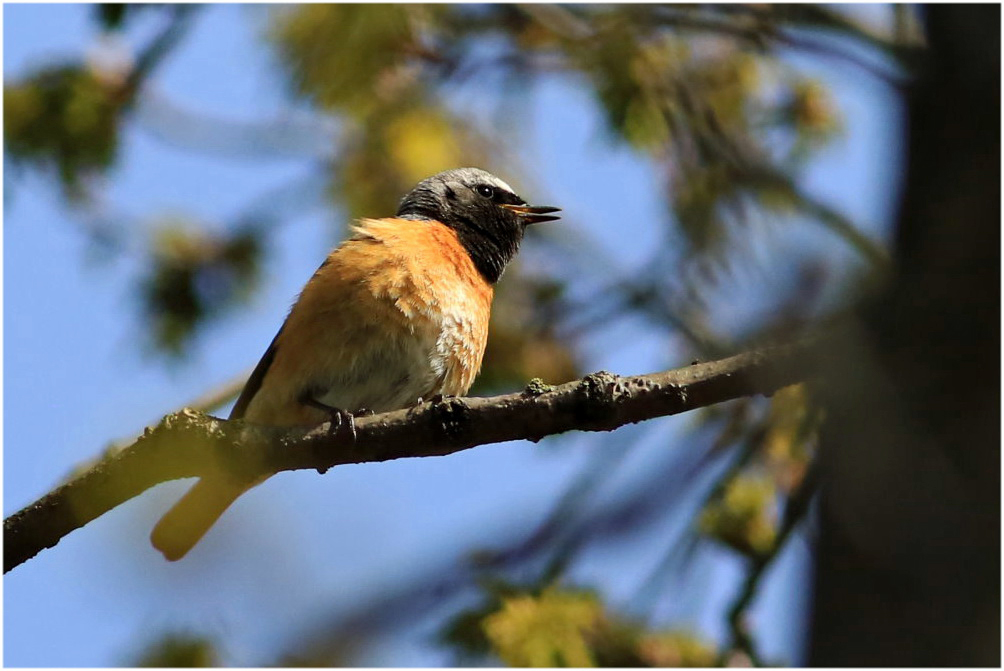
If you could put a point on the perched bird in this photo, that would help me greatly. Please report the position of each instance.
(396, 313)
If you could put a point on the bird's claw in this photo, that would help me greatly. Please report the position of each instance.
(339, 418)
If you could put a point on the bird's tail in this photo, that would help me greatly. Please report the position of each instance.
(187, 522)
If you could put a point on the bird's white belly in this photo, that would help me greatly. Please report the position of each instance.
(393, 372)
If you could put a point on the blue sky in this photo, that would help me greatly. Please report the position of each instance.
(76, 376)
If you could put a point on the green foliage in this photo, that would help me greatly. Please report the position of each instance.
(627, 76)
(567, 627)
(179, 651)
(386, 156)
(547, 630)
(350, 58)
(777, 448)
(792, 430)
(812, 112)
(194, 275)
(675, 649)
(743, 516)
(363, 63)
(65, 118)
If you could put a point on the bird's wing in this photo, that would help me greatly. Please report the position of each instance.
(253, 384)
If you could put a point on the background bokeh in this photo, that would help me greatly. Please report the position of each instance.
(729, 175)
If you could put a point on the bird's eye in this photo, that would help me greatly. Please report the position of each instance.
(485, 190)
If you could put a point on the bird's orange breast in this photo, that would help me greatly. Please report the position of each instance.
(395, 313)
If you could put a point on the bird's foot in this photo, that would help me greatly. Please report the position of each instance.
(421, 401)
(336, 416)
(340, 418)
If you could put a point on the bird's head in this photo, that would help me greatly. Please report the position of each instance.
(487, 215)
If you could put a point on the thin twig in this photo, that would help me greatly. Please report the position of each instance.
(761, 30)
(161, 45)
(794, 512)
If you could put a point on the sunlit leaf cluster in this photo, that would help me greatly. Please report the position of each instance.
(743, 517)
(778, 445)
(561, 627)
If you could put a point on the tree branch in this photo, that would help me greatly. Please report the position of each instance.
(189, 444)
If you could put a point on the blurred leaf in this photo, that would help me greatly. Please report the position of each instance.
(743, 516)
(700, 195)
(546, 630)
(811, 111)
(728, 82)
(564, 627)
(349, 57)
(383, 158)
(195, 275)
(628, 76)
(64, 117)
(675, 649)
(791, 429)
(421, 143)
(179, 651)
(465, 633)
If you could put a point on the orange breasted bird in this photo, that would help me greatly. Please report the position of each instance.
(397, 313)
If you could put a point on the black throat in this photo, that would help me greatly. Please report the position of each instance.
(491, 250)
(491, 236)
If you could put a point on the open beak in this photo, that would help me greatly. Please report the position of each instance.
(533, 214)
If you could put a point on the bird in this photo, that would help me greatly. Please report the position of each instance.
(395, 314)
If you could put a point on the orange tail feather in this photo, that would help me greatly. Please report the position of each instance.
(187, 522)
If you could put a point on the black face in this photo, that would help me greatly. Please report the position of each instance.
(488, 217)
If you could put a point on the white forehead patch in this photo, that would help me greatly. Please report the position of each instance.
(479, 176)
(499, 183)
